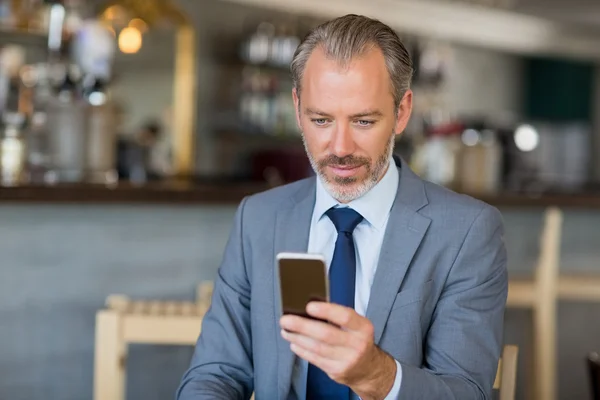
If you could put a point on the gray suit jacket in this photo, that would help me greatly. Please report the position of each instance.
(437, 301)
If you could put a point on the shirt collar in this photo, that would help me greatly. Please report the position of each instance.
(374, 206)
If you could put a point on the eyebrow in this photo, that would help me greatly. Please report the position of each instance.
(316, 112)
(368, 113)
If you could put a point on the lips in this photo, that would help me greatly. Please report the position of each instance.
(344, 170)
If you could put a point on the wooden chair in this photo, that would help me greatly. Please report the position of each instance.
(506, 377)
(151, 322)
(540, 296)
(579, 287)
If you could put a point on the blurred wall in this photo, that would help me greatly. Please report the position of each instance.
(482, 82)
(58, 264)
(145, 93)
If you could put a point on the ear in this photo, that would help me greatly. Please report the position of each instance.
(297, 107)
(404, 112)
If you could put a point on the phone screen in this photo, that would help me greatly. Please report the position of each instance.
(301, 281)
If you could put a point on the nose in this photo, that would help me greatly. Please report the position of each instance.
(342, 142)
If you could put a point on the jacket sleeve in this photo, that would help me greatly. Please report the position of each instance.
(464, 342)
(221, 367)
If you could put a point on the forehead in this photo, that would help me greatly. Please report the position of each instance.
(364, 79)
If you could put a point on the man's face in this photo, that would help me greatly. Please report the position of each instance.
(349, 121)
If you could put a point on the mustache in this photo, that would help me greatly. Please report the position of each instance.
(346, 161)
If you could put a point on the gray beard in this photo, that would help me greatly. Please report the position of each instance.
(344, 189)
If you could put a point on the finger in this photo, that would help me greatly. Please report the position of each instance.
(317, 347)
(298, 324)
(314, 359)
(317, 330)
(344, 317)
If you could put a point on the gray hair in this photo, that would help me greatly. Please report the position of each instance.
(344, 38)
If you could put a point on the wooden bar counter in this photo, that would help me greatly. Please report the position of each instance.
(233, 192)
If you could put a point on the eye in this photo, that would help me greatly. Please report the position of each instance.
(364, 122)
(319, 121)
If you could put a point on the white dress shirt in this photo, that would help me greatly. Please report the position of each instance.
(375, 208)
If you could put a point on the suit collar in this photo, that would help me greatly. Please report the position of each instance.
(405, 230)
(411, 190)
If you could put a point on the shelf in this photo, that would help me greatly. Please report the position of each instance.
(563, 200)
(233, 61)
(156, 193)
(258, 138)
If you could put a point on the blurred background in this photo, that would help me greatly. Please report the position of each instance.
(131, 129)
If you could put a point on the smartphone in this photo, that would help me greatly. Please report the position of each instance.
(302, 279)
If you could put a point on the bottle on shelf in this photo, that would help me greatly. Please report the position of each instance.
(289, 42)
(265, 103)
(270, 45)
(272, 111)
(6, 15)
(12, 149)
(277, 52)
(101, 137)
(438, 159)
(12, 59)
(25, 15)
(286, 119)
(255, 102)
(258, 46)
(37, 158)
(481, 161)
(66, 121)
(245, 98)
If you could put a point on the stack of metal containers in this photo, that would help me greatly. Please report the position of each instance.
(57, 123)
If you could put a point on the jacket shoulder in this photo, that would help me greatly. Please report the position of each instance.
(267, 202)
(452, 205)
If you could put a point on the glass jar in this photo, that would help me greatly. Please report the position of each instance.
(101, 144)
(481, 162)
(440, 154)
(66, 117)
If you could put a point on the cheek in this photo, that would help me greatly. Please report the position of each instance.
(373, 143)
(317, 140)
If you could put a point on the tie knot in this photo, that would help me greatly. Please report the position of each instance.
(344, 219)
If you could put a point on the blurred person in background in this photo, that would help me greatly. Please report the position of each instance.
(424, 316)
(142, 158)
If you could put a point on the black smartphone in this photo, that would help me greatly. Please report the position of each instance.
(302, 279)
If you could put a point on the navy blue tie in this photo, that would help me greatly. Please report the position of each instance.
(342, 277)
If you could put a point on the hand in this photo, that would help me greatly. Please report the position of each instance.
(345, 350)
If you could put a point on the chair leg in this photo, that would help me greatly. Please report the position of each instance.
(545, 308)
(109, 357)
(545, 352)
(532, 377)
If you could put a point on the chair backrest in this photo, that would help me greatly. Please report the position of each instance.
(506, 376)
(593, 363)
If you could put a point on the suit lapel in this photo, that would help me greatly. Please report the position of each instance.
(291, 235)
(404, 233)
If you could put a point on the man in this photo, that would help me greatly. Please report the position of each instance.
(425, 315)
